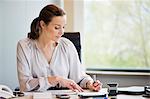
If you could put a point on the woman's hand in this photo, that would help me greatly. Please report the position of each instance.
(95, 86)
(54, 80)
(70, 84)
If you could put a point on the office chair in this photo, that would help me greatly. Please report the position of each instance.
(74, 37)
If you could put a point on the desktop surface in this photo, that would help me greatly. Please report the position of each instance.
(73, 95)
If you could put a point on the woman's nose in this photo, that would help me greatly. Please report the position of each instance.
(61, 32)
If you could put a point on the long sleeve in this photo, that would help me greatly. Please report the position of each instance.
(77, 71)
(26, 80)
(33, 68)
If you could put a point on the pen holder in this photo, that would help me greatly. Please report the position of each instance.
(146, 91)
(112, 89)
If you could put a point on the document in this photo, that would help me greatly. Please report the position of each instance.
(39, 95)
(51, 93)
(101, 93)
(61, 92)
(42, 95)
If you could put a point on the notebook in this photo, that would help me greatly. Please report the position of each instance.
(86, 94)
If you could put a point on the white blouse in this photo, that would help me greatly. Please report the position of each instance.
(33, 68)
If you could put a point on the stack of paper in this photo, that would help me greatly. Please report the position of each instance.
(92, 94)
(42, 95)
(60, 92)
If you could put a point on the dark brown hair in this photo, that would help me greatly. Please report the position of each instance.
(46, 15)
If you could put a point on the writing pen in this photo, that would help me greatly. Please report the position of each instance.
(94, 78)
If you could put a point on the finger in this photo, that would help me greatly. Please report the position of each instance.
(71, 87)
(100, 83)
(77, 87)
(97, 83)
(80, 89)
(97, 88)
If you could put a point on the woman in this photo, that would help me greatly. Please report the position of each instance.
(45, 59)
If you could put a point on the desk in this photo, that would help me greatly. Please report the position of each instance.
(74, 96)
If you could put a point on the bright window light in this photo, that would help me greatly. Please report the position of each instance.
(117, 34)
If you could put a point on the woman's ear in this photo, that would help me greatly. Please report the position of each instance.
(42, 24)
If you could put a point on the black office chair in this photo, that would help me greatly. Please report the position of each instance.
(74, 37)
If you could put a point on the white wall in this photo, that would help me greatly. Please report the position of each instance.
(15, 19)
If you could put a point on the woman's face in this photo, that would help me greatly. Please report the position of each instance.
(55, 29)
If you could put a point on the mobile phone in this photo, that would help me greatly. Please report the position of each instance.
(63, 96)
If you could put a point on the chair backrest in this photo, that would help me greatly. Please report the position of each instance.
(74, 37)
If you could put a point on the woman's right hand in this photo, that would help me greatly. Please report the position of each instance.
(65, 83)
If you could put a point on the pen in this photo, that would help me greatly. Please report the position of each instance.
(94, 78)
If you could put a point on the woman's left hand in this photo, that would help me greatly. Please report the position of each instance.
(95, 86)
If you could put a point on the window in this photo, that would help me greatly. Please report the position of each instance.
(117, 34)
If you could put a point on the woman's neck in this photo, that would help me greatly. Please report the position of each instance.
(45, 43)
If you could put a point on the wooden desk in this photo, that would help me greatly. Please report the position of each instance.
(74, 96)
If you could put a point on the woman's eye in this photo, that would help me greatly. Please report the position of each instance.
(56, 27)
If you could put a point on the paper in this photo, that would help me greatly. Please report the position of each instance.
(42, 95)
(48, 94)
(91, 94)
(60, 92)
(101, 93)
(39, 95)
